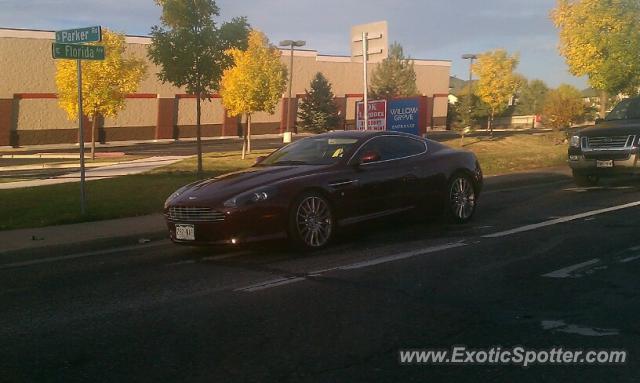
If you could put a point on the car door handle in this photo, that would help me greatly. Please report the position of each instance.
(343, 183)
(410, 178)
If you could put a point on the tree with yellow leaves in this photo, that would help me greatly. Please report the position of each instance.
(104, 83)
(255, 83)
(497, 82)
(563, 107)
(601, 39)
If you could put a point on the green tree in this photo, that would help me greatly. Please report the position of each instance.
(478, 108)
(563, 107)
(531, 98)
(104, 83)
(190, 49)
(394, 76)
(255, 83)
(318, 111)
(497, 82)
(601, 39)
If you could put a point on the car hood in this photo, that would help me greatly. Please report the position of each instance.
(221, 188)
(613, 128)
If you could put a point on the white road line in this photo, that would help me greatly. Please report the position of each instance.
(630, 259)
(397, 257)
(271, 283)
(83, 255)
(377, 261)
(561, 220)
(561, 326)
(566, 272)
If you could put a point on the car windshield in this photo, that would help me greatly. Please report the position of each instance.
(312, 151)
(628, 109)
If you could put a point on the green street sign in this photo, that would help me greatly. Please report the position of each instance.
(78, 52)
(79, 35)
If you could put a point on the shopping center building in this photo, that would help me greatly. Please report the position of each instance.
(30, 115)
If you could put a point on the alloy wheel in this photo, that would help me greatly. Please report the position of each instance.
(462, 198)
(314, 221)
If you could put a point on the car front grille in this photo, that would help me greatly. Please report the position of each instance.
(195, 214)
(609, 142)
(607, 156)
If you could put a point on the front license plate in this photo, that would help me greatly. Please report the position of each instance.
(185, 232)
(604, 164)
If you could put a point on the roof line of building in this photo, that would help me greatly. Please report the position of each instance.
(137, 39)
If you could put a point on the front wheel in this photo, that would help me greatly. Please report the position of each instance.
(311, 222)
(461, 198)
(585, 180)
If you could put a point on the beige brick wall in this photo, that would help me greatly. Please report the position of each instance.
(211, 111)
(26, 66)
(137, 112)
(41, 114)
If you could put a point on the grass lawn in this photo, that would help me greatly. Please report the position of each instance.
(125, 196)
(508, 154)
(144, 194)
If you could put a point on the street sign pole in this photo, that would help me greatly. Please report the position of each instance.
(81, 132)
(70, 45)
(365, 58)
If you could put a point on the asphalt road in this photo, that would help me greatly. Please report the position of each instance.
(517, 275)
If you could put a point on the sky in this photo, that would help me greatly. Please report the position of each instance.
(427, 29)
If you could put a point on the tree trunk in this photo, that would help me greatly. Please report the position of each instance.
(244, 139)
(93, 135)
(249, 133)
(603, 103)
(198, 136)
(491, 124)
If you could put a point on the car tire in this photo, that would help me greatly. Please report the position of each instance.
(585, 179)
(460, 199)
(311, 222)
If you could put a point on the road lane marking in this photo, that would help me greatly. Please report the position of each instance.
(397, 257)
(566, 272)
(630, 259)
(561, 220)
(561, 326)
(83, 255)
(271, 283)
(354, 266)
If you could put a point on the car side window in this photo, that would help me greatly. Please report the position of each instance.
(394, 147)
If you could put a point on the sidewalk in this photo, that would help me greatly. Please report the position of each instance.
(37, 238)
(118, 144)
(99, 173)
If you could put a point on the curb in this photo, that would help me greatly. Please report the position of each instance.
(35, 253)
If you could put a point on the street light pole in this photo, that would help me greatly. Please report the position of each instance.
(291, 44)
(365, 58)
(470, 57)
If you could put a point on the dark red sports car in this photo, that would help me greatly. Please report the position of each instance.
(307, 190)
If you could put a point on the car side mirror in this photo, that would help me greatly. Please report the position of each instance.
(259, 159)
(599, 121)
(369, 156)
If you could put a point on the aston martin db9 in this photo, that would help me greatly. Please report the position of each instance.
(309, 189)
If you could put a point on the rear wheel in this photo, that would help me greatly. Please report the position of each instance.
(461, 198)
(311, 222)
(585, 179)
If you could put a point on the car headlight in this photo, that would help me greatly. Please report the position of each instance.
(255, 196)
(174, 195)
(575, 141)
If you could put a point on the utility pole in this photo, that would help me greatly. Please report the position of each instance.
(290, 43)
(365, 58)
